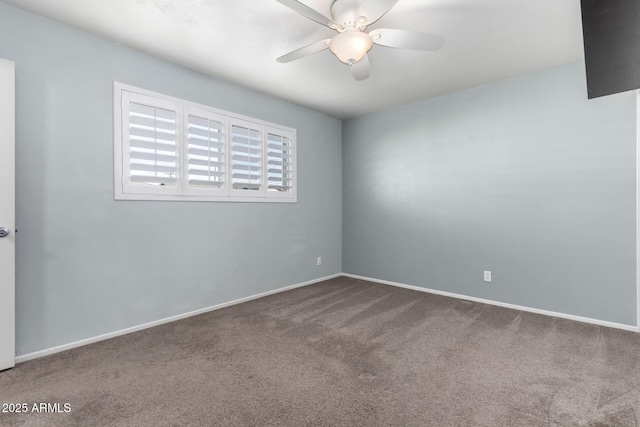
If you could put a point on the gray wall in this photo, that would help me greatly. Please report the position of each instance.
(523, 177)
(88, 265)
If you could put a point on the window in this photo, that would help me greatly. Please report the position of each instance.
(170, 149)
(150, 134)
(246, 156)
(205, 153)
(279, 160)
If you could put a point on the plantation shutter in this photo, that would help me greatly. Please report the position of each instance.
(205, 152)
(246, 157)
(150, 145)
(280, 158)
(166, 148)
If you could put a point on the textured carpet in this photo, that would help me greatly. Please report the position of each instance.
(342, 353)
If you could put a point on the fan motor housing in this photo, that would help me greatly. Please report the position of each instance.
(344, 12)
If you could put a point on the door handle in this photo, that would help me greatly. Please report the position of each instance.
(4, 231)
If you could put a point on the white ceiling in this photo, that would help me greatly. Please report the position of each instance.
(239, 41)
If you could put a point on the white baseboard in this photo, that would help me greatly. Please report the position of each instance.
(69, 346)
(501, 304)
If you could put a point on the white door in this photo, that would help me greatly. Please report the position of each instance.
(7, 215)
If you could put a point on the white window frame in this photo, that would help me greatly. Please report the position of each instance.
(191, 110)
(288, 167)
(124, 189)
(251, 126)
(129, 186)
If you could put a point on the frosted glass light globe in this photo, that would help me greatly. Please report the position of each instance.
(350, 46)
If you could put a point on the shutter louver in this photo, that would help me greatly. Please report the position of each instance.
(279, 163)
(153, 158)
(205, 152)
(246, 157)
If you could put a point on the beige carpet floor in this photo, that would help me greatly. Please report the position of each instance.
(343, 352)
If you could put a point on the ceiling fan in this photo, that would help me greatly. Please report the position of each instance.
(350, 19)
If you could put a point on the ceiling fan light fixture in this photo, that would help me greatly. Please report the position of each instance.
(350, 18)
(350, 46)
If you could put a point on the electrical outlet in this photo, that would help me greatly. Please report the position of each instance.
(319, 261)
(487, 276)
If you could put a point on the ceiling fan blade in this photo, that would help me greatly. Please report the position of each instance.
(374, 9)
(312, 14)
(404, 39)
(360, 69)
(305, 51)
